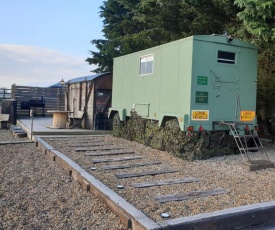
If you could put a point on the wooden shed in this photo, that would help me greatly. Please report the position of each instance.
(89, 99)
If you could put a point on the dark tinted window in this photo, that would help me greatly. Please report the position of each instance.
(226, 57)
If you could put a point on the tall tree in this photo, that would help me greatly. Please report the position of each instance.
(119, 30)
(161, 20)
(258, 28)
(133, 25)
(211, 16)
(258, 19)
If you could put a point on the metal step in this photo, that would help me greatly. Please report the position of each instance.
(251, 148)
(246, 136)
(242, 139)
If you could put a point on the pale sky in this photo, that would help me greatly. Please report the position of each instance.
(43, 41)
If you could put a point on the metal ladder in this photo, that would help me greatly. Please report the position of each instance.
(241, 141)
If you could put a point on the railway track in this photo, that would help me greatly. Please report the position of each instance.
(97, 151)
(155, 185)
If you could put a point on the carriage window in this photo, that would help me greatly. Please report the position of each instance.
(226, 57)
(146, 65)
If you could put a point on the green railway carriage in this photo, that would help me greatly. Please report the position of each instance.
(202, 81)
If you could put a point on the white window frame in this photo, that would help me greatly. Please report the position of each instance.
(145, 59)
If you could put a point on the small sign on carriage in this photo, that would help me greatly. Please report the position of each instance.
(202, 80)
(247, 115)
(200, 115)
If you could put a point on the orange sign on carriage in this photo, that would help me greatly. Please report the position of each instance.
(247, 115)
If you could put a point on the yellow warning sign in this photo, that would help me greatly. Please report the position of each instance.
(200, 115)
(247, 115)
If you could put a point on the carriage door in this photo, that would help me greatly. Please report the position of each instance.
(225, 81)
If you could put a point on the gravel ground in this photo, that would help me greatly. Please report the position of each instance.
(243, 187)
(35, 194)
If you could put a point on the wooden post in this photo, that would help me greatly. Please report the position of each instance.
(13, 91)
(31, 114)
(58, 94)
(35, 92)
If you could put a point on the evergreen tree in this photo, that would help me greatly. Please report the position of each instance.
(119, 30)
(258, 19)
(133, 25)
(258, 28)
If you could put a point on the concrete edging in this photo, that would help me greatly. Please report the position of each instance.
(49, 131)
(231, 218)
